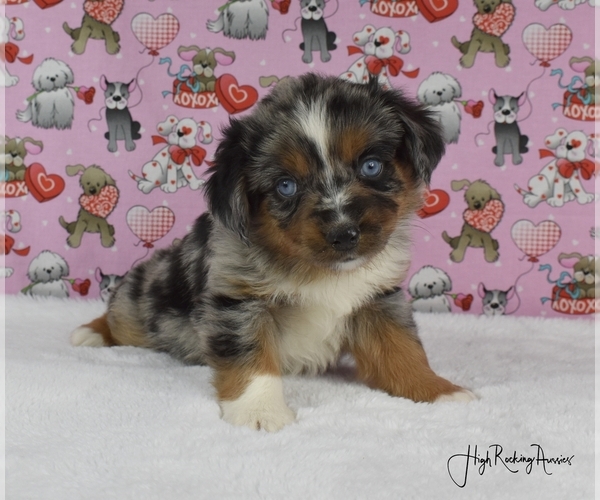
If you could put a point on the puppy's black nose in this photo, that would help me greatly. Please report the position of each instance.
(116, 98)
(439, 92)
(430, 286)
(569, 147)
(506, 112)
(180, 133)
(312, 8)
(487, 9)
(494, 305)
(343, 238)
(92, 190)
(52, 79)
(476, 205)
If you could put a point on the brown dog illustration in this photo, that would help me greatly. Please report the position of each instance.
(492, 19)
(99, 198)
(484, 212)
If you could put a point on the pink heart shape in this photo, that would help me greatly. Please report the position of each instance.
(154, 33)
(547, 44)
(534, 240)
(150, 226)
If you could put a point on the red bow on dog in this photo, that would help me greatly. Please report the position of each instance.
(179, 154)
(376, 65)
(567, 168)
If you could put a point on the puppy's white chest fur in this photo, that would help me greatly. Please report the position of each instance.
(310, 338)
(314, 325)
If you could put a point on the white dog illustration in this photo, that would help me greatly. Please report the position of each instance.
(52, 104)
(438, 92)
(46, 273)
(171, 167)
(378, 59)
(427, 287)
(9, 29)
(564, 4)
(560, 180)
(242, 19)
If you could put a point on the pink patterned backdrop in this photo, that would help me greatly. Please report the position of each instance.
(177, 66)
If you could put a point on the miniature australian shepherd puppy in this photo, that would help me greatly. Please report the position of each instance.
(299, 256)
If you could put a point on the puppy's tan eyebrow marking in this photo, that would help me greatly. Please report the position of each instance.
(347, 145)
(295, 161)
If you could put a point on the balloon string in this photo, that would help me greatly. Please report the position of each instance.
(142, 257)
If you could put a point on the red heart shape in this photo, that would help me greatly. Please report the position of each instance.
(384, 40)
(42, 4)
(186, 130)
(575, 143)
(42, 186)
(232, 96)
(435, 201)
(436, 10)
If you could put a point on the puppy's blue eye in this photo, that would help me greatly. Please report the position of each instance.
(287, 187)
(371, 168)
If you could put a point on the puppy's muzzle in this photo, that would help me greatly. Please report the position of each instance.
(343, 238)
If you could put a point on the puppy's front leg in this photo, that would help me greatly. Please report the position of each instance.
(390, 356)
(243, 352)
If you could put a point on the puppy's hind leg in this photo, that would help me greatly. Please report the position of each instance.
(93, 334)
(114, 328)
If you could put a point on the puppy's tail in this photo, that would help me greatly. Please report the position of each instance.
(94, 334)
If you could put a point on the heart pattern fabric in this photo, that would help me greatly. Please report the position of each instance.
(487, 218)
(43, 186)
(495, 23)
(101, 204)
(234, 97)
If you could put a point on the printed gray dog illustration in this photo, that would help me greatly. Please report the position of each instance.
(509, 140)
(121, 126)
(315, 34)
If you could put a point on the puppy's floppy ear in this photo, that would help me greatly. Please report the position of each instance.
(226, 189)
(422, 144)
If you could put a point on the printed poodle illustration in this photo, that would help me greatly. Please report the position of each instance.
(559, 182)
(427, 287)
(439, 92)
(564, 4)
(377, 47)
(46, 273)
(242, 19)
(52, 105)
(171, 167)
(484, 211)
(12, 158)
(99, 198)
(96, 24)
(491, 21)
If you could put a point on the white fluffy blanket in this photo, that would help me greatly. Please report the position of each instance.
(127, 423)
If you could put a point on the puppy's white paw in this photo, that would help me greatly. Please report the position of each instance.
(86, 337)
(462, 396)
(261, 406)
